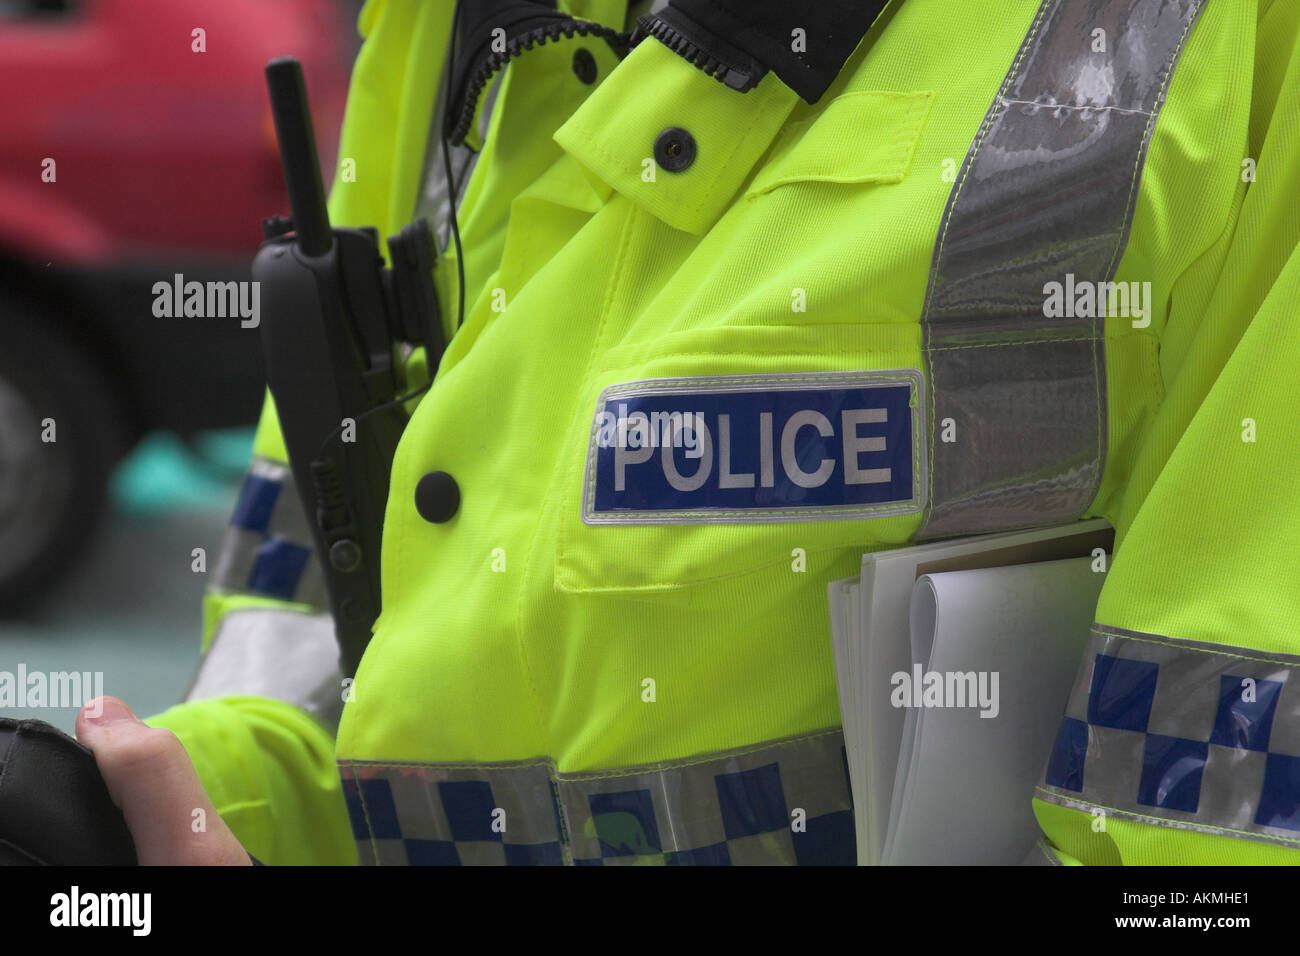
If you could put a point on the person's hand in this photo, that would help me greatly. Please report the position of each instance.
(151, 779)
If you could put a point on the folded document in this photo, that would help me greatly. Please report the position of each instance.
(953, 662)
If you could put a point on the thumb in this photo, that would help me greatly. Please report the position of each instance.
(151, 779)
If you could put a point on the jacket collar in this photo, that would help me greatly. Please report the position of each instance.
(613, 134)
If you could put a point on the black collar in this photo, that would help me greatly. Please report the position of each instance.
(737, 41)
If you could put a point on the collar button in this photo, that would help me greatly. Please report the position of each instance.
(584, 66)
(674, 149)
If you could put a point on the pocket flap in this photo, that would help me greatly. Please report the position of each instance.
(867, 136)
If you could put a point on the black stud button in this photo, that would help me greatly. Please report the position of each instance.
(345, 555)
(584, 66)
(675, 149)
(437, 497)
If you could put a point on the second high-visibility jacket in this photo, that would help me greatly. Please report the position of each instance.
(1019, 263)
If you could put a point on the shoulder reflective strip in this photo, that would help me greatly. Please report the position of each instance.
(268, 548)
(281, 654)
(1182, 734)
(785, 801)
(1046, 194)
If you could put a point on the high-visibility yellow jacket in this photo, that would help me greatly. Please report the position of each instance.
(608, 654)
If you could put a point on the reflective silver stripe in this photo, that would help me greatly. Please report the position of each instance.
(1182, 734)
(1047, 190)
(781, 802)
(269, 528)
(282, 654)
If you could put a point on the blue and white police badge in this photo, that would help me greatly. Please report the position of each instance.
(732, 449)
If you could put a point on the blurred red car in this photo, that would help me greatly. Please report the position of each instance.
(135, 143)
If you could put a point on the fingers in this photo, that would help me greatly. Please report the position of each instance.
(150, 777)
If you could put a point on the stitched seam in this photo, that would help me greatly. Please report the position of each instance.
(833, 376)
(1063, 106)
(639, 770)
(724, 165)
(1170, 822)
(663, 766)
(999, 345)
(353, 764)
(562, 534)
(909, 133)
(692, 353)
(658, 356)
(1097, 629)
(884, 177)
(893, 172)
(365, 812)
(697, 581)
(561, 820)
(1146, 136)
(622, 356)
(1123, 232)
(997, 493)
(1157, 379)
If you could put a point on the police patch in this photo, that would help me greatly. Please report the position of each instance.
(810, 446)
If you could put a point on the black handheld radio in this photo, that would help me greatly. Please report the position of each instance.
(332, 321)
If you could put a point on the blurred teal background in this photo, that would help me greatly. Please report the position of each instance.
(132, 606)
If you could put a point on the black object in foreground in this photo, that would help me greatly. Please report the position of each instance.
(54, 807)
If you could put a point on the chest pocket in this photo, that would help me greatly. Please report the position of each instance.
(810, 437)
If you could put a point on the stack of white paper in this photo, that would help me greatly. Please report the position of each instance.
(989, 624)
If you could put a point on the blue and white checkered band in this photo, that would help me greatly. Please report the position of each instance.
(268, 548)
(780, 802)
(807, 446)
(1182, 734)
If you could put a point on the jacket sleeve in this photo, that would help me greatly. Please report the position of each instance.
(1181, 740)
(260, 716)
